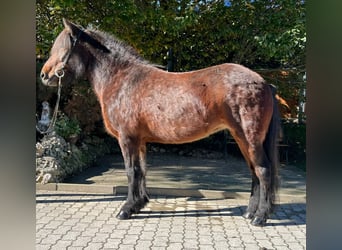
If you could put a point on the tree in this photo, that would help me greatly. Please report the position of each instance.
(255, 33)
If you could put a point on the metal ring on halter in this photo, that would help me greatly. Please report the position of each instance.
(59, 73)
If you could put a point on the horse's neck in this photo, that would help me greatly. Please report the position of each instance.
(103, 76)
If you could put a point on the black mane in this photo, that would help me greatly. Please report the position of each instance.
(118, 50)
(83, 36)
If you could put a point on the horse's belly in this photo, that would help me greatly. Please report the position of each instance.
(183, 131)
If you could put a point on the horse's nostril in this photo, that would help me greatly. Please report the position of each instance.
(44, 76)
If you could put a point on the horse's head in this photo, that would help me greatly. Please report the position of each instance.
(69, 56)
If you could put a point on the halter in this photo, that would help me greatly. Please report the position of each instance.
(59, 73)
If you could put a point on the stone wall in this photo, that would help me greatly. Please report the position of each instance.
(57, 159)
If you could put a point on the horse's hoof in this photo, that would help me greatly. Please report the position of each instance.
(248, 215)
(123, 215)
(258, 221)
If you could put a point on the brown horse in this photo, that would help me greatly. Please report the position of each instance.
(141, 103)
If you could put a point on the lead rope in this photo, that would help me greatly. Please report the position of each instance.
(59, 73)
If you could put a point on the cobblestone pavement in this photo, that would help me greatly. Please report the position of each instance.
(67, 220)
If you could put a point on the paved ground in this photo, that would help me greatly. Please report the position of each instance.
(180, 172)
(187, 209)
(87, 221)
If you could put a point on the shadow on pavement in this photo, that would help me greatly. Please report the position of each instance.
(274, 220)
(51, 198)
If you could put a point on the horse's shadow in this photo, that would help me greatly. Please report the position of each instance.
(275, 219)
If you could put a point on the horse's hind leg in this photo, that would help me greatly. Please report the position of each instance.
(254, 198)
(251, 146)
(262, 184)
(134, 157)
(142, 160)
(255, 189)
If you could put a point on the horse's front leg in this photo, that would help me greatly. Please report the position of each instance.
(134, 157)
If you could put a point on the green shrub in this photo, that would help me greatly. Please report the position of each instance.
(295, 137)
(67, 127)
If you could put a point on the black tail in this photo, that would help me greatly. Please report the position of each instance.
(271, 148)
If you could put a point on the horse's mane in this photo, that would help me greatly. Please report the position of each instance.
(119, 51)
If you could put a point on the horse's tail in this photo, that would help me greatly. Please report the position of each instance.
(271, 148)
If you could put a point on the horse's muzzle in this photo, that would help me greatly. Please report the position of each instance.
(48, 81)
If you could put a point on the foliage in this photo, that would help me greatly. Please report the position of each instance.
(202, 33)
(82, 105)
(295, 138)
(66, 127)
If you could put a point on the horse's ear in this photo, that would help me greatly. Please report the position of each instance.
(72, 28)
(76, 32)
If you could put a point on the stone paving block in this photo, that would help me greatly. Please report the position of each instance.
(46, 219)
(219, 236)
(100, 237)
(81, 241)
(277, 241)
(75, 248)
(296, 246)
(191, 243)
(88, 219)
(265, 243)
(118, 234)
(282, 248)
(112, 221)
(79, 215)
(43, 247)
(157, 248)
(94, 246)
(235, 242)
(232, 233)
(43, 233)
(112, 244)
(71, 222)
(143, 244)
(206, 240)
(260, 236)
(160, 241)
(62, 244)
(162, 232)
(206, 247)
(190, 226)
(248, 238)
(71, 235)
(107, 228)
(218, 245)
(80, 227)
(146, 235)
(90, 231)
(288, 237)
(251, 246)
(53, 224)
(51, 239)
(176, 238)
(190, 234)
(130, 239)
(124, 225)
(174, 246)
